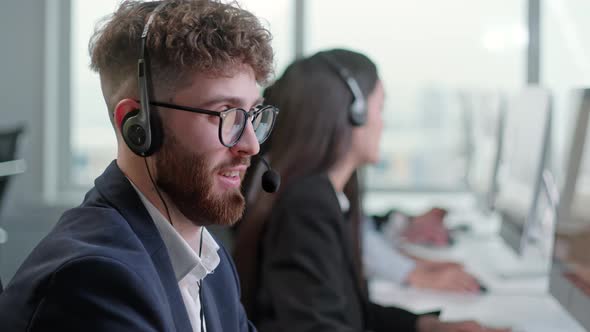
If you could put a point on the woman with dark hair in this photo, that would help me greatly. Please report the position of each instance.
(298, 251)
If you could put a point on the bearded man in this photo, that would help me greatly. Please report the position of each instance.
(181, 80)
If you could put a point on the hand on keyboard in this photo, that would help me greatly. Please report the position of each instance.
(428, 229)
(443, 276)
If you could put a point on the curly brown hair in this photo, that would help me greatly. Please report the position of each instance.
(185, 37)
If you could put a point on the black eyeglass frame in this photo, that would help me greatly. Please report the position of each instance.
(257, 110)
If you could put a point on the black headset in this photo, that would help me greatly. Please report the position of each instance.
(140, 128)
(357, 112)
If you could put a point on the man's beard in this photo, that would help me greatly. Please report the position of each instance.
(188, 180)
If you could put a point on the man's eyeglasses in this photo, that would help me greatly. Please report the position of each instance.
(233, 121)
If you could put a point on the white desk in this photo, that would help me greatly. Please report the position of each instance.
(524, 313)
(12, 167)
(472, 253)
(8, 168)
(521, 303)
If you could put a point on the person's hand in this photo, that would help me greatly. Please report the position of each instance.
(428, 229)
(433, 324)
(443, 276)
(437, 264)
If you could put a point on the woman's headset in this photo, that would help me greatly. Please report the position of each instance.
(357, 112)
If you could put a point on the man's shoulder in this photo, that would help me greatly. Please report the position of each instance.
(82, 234)
(91, 226)
(92, 282)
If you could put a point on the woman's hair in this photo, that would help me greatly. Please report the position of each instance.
(312, 133)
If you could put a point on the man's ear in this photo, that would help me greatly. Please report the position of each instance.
(123, 108)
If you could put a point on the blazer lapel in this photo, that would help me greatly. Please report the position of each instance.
(115, 188)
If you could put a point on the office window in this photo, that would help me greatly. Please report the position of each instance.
(92, 138)
(427, 52)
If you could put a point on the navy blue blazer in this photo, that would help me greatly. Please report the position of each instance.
(104, 267)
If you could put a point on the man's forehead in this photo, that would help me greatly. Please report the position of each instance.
(239, 87)
(233, 99)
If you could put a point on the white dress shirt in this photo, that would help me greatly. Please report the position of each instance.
(189, 268)
(381, 260)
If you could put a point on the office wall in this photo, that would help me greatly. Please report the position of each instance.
(23, 214)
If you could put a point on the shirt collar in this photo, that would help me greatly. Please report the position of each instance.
(343, 201)
(184, 259)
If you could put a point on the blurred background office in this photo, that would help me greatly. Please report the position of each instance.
(439, 60)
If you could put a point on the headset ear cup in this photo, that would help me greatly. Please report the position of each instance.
(358, 111)
(130, 132)
(135, 134)
(357, 115)
(126, 118)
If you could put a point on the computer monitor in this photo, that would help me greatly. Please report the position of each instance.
(511, 173)
(570, 272)
(536, 240)
(485, 113)
(574, 210)
(570, 275)
(525, 152)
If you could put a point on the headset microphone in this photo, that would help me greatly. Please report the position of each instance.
(271, 180)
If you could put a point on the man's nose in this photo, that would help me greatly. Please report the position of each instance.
(247, 144)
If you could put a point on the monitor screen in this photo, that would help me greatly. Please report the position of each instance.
(574, 209)
(570, 272)
(537, 238)
(486, 129)
(524, 152)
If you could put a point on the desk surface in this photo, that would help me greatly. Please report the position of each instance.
(485, 257)
(522, 303)
(524, 313)
(8, 168)
(12, 167)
